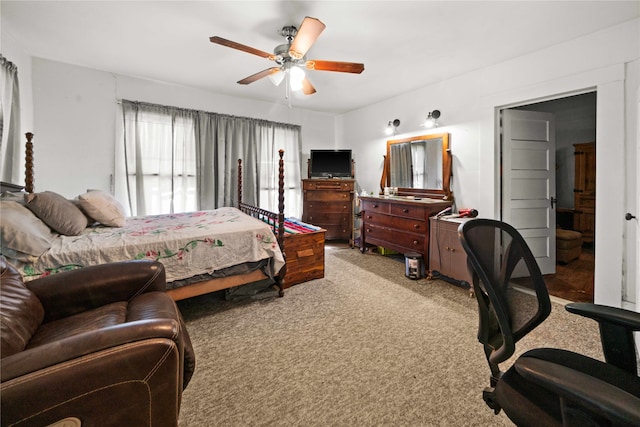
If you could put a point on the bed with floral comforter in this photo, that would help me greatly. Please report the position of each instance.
(188, 244)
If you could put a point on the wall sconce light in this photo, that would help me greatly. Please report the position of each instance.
(432, 119)
(392, 127)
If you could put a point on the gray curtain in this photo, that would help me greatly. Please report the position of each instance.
(11, 142)
(218, 142)
(401, 166)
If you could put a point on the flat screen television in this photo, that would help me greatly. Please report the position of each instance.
(330, 164)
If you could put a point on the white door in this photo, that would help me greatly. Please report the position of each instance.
(529, 181)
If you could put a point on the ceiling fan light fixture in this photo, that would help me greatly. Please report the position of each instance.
(277, 78)
(296, 77)
(290, 58)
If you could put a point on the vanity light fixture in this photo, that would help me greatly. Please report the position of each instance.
(392, 127)
(432, 119)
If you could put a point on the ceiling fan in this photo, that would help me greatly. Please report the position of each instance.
(290, 57)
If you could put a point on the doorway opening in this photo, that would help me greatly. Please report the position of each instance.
(575, 123)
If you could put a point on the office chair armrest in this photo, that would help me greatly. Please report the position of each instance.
(582, 390)
(617, 326)
(601, 313)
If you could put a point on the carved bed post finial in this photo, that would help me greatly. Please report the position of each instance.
(239, 182)
(28, 181)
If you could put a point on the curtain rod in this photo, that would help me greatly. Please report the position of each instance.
(190, 110)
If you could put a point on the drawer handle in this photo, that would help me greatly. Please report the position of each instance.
(405, 210)
(375, 205)
(416, 226)
(369, 217)
(415, 242)
(368, 230)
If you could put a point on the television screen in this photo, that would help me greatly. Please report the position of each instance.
(330, 164)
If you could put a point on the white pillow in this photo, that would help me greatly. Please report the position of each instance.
(102, 207)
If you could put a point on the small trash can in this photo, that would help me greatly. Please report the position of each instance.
(414, 267)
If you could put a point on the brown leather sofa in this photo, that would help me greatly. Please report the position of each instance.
(99, 346)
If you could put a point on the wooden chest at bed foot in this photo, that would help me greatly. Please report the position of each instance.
(305, 257)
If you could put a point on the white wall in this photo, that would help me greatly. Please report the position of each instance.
(469, 104)
(75, 111)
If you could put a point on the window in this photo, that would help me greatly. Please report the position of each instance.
(176, 160)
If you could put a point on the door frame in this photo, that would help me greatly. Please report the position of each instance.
(609, 84)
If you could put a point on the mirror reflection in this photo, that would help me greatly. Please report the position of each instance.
(417, 163)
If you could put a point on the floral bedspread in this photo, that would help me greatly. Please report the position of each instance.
(187, 244)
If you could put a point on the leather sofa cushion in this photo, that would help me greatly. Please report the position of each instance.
(91, 320)
(20, 311)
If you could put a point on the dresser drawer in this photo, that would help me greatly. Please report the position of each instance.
(376, 218)
(314, 207)
(409, 224)
(379, 207)
(411, 242)
(335, 185)
(326, 219)
(337, 232)
(327, 196)
(409, 211)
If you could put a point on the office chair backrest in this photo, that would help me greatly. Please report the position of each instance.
(497, 254)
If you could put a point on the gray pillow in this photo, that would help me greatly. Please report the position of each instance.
(57, 212)
(21, 232)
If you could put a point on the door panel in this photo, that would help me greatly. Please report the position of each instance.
(528, 181)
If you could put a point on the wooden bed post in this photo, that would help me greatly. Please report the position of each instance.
(29, 164)
(283, 271)
(239, 182)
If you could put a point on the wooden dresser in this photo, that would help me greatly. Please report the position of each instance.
(328, 203)
(398, 222)
(447, 258)
(584, 193)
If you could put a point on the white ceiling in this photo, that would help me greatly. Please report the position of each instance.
(404, 44)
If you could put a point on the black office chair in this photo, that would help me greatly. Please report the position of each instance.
(545, 386)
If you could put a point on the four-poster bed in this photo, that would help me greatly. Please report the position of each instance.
(203, 251)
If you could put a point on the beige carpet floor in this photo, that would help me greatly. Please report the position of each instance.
(365, 346)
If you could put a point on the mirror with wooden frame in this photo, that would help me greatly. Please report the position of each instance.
(419, 166)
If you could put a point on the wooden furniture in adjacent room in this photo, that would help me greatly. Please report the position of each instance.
(584, 199)
(328, 203)
(399, 223)
(447, 258)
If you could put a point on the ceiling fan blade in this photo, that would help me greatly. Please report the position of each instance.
(343, 67)
(257, 76)
(244, 48)
(307, 87)
(306, 37)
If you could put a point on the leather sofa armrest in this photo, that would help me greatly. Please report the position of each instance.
(582, 390)
(132, 384)
(71, 292)
(87, 343)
